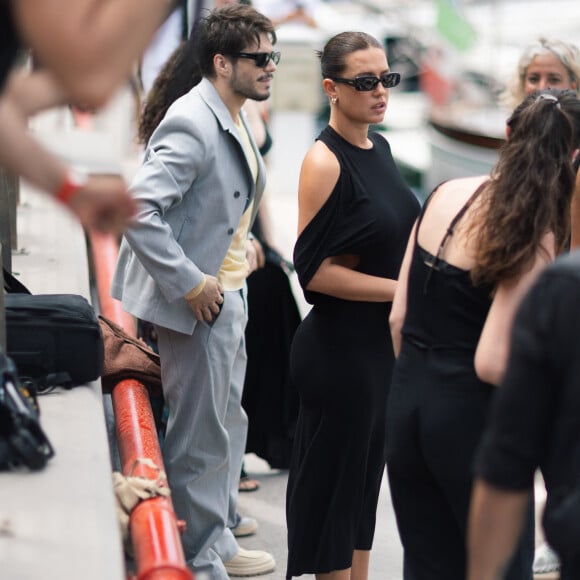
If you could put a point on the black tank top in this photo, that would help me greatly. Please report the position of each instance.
(444, 308)
(369, 213)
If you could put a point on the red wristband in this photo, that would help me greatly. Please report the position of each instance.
(71, 185)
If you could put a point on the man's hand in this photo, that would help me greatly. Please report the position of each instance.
(104, 204)
(207, 304)
(255, 254)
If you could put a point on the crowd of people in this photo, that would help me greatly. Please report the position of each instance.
(439, 343)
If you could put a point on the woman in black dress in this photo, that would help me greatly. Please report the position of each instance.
(478, 245)
(355, 213)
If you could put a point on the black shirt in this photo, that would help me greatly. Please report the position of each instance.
(535, 419)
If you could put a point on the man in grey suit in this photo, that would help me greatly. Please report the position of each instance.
(183, 266)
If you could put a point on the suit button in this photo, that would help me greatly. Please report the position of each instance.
(236, 194)
(230, 231)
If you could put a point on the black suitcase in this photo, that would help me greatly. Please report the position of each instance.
(54, 339)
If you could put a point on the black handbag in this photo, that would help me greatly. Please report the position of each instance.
(54, 339)
(23, 443)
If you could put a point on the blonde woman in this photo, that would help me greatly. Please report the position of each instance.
(547, 64)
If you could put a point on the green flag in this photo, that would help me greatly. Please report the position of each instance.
(453, 26)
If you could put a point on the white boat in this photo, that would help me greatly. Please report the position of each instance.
(465, 132)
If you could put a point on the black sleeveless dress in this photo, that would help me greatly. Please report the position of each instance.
(341, 362)
(437, 410)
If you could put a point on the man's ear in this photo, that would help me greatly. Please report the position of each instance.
(221, 64)
(508, 130)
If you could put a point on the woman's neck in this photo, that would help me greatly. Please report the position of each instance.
(355, 134)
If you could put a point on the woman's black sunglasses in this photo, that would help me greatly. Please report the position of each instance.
(369, 82)
(260, 58)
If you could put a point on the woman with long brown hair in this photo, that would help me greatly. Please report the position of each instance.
(476, 248)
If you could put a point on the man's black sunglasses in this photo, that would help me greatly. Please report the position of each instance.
(369, 82)
(260, 58)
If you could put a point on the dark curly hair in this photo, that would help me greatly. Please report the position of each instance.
(531, 187)
(177, 77)
(226, 31)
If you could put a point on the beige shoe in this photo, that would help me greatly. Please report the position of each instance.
(250, 563)
(245, 526)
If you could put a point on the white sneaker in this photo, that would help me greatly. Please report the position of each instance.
(245, 526)
(250, 563)
(545, 560)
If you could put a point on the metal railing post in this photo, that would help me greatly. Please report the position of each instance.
(155, 529)
(2, 311)
(9, 186)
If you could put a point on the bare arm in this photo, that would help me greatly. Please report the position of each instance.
(338, 280)
(496, 521)
(335, 275)
(297, 15)
(575, 216)
(399, 308)
(103, 202)
(492, 351)
(25, 95)
(90, 45)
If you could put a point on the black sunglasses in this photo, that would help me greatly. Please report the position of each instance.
(369, 82)
(260, 58)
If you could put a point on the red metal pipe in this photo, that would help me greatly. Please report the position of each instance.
(105, 251)
(154, 527)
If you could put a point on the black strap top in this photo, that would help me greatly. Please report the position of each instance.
(444, 308)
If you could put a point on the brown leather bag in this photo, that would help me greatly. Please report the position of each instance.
(127, 357)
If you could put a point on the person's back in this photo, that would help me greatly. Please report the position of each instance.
(444, 308)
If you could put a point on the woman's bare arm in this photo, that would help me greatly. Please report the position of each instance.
(399, 309)
(492, 351)
(496, 521)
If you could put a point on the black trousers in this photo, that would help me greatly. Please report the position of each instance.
(436, 413)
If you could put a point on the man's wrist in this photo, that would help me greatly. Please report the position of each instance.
(195, 292)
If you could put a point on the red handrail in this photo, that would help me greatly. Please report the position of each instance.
(154, 526)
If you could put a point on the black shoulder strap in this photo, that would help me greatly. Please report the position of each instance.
(424, 208)
(12, 285)
(458, 216)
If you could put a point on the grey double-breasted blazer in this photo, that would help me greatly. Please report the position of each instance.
(192, 188)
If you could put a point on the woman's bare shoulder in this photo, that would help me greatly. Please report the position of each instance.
(318, 176)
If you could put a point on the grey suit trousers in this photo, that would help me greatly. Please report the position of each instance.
(203, 377)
